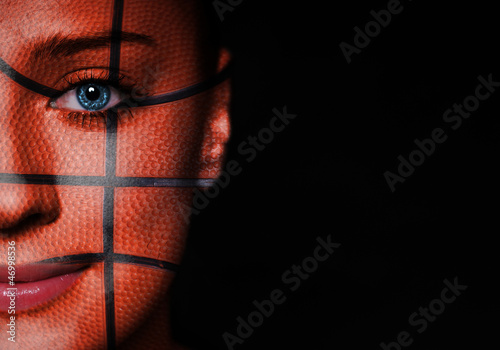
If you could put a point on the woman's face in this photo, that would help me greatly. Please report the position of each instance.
(97, 165)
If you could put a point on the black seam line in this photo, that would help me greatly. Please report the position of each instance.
(108, 220)
(143, 261)
(187, 91)
(148, 101)
(111, 128)
(110, 171)
(103, 181)
(107, 237)
(27, 82)
(87, 258)
(126, 259)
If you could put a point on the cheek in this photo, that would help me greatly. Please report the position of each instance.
(164, 140)
(37, 140)
(151, 222)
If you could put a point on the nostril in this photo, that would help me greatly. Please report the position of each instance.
(28, 222)
(26, 206)
(23, 224)
(48, 218)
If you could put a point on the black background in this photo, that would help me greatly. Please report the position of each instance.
(323, 175)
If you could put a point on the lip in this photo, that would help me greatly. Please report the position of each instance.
(35, 284)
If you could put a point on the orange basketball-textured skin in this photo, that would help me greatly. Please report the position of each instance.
(182, 139)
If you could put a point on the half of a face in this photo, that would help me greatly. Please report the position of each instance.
(112, 113)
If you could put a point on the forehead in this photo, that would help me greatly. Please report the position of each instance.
(27, 19)
(175, 27)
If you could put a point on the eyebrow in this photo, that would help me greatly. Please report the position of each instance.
(58, 46)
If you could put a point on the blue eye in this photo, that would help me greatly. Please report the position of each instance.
(89, 97)
(93, 97)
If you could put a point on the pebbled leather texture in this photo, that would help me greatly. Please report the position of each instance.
(59, 171)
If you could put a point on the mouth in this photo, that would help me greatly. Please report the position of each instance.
(34, 284)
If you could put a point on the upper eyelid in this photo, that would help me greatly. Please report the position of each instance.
(87, 74)
(101, 75)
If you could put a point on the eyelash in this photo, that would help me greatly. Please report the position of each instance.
(80, 78)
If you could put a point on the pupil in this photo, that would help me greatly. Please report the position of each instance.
(93, 97)
(92, 93)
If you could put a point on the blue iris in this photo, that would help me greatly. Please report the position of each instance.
(93, 97)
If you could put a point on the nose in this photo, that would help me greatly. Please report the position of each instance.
(25, 148)
(24, 206)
